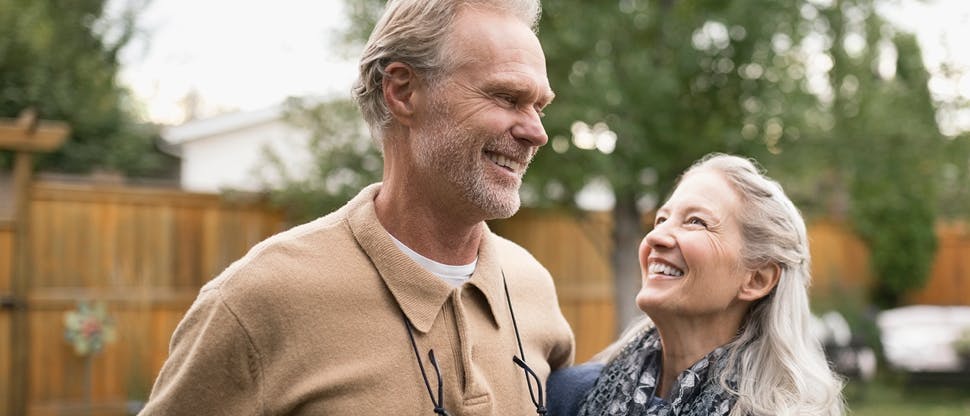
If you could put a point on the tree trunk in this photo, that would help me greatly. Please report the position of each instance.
(627, 233)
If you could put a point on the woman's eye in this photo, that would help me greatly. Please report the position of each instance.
(697, 221)
(659, 220)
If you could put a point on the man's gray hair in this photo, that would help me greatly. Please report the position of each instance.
(413, 32)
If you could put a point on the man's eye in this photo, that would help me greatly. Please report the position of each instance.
(540, 112)
(508, 99)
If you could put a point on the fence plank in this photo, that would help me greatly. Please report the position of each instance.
(575, 251)
(6, 257)
(5, 364)
(949, 282)
(6, 330)
(145, 253)
(840, 260)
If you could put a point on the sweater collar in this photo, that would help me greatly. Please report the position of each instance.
(419, 293)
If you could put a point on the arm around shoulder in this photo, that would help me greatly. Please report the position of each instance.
(568, 387)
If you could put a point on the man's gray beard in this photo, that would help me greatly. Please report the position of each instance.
(436, 154)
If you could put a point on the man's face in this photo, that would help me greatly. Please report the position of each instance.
(481, 126)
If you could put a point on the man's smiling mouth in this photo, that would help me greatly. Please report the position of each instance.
(505, 162)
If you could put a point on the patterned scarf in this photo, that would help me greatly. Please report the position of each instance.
(627, 384)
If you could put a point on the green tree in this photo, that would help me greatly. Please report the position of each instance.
(644, 88)
(658, 84)
(954, 199)
(344, 159)
(895, 176)
(876, 121)
(673, 80)
(826, 94)
(62, 59)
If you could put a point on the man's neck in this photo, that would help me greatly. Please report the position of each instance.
(432, 228)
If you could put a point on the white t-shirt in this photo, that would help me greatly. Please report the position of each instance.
(454, 275)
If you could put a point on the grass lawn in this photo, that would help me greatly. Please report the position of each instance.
(890, 398)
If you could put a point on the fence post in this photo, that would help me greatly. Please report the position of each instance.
(26, 136)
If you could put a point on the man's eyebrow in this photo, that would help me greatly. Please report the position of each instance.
(544, 95)
(513, 85)
(547, 97)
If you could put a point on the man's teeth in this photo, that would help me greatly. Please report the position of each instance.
(665, 269)
(504, 162)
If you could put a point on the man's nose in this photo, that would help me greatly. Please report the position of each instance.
(530, 129)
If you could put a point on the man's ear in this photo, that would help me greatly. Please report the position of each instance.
(399, 86)
(759, 282)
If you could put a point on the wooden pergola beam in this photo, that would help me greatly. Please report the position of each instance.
(27, 134)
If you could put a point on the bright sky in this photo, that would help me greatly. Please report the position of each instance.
(250, 54)
(237, 54)
(943, 29)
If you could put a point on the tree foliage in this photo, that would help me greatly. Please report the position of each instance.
(673, 80)
(895, 176)
(875, 119)
(344, 159)
(62, 59)
(954, 187)
(826, 94)
(830, 98)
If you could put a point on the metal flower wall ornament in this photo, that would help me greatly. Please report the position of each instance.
(89, 328)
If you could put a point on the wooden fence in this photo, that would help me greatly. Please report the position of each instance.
(6, 330)
(840, 263)
(840, 260)
(146, 253)
(576, 251)
(143, 252)
(949, 282)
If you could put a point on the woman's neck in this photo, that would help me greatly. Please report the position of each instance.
(684, 344)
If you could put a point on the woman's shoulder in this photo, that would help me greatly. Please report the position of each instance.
(567, 387)
(585, 373)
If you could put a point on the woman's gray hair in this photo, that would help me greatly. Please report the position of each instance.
(783, 368)
(414, 32)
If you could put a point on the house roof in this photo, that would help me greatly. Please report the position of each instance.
(202, 128)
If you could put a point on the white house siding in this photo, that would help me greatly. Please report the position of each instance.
(236, 159)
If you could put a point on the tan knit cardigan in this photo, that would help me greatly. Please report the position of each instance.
(310, 322)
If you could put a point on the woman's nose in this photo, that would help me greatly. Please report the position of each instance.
(659, 236)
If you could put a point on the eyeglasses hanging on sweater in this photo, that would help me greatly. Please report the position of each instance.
(438, 400)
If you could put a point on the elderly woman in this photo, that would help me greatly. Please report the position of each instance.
(725, 271)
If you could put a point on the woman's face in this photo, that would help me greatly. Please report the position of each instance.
(690, 262)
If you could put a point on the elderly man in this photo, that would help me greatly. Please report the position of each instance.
(402, 302)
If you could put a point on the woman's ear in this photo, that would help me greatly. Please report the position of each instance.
(399, 86)
(759, 282)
